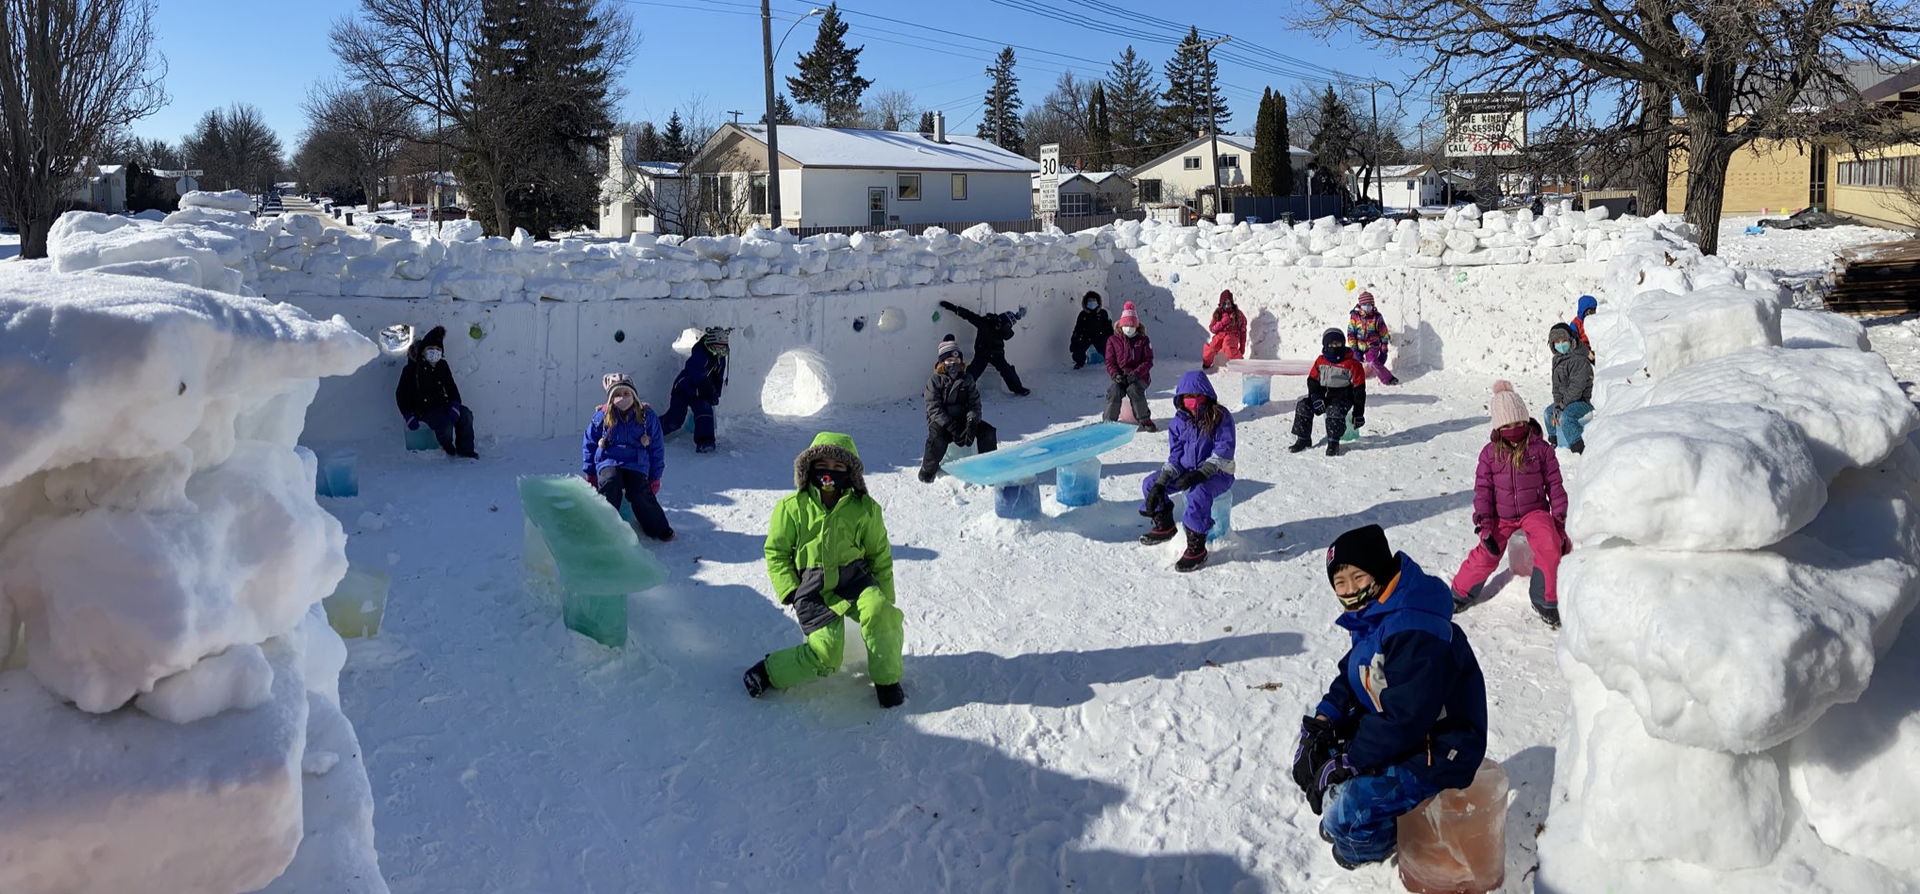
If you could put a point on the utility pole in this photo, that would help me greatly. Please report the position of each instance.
(1213, 136)
(773, 127)
(1373, 92)
(736, 113)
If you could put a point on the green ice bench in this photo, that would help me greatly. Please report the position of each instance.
(577, 540)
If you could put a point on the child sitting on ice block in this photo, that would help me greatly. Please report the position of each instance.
(953, 410)
(1406, 717)
(1090, 329)
(1229, 332)
(1572, 390)
(1130, 365)
(427, 395)
(829, 557)
(1200, 445)
(1516, 489)
(1367, 336)
(1336, 383)
(623, 454)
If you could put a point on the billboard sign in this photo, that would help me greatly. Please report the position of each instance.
(1486, 124)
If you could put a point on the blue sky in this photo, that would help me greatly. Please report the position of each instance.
(269, 54)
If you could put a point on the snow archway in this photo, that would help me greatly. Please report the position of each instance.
(798, 385)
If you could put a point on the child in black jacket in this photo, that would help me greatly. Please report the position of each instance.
(1091, 330)
(991, 332)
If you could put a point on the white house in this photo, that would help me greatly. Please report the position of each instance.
(1404, 186)
(841, 177)
(1086, 193)
(640, 196)
(104, 190)
(1175, 176)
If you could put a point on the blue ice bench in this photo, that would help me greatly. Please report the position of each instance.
(1012, 469)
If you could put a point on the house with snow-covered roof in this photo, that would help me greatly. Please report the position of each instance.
(1177, 175)
(1402, 186)
(844, 177)
(1084, 193)
(640, 195)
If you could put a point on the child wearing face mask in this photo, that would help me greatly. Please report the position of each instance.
(1336, 383)
(1200, 445)
(1130, 365)
(1229, 332)
(1516, 488)
(1406, 716)
(1572, 390)
(953, 410)
(1090, 330)
(829, 556)
(426, 395)
(623, 455)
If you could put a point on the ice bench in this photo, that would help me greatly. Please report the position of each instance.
(1256, 377)
(1012, 469)
(575, 538)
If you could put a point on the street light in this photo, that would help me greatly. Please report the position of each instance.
(773, 126)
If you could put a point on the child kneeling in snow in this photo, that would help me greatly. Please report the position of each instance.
(953, 410)
(623, 455)
(1229, 332)
(1406, 717)
(1572, 390)
(1199, 462)
(1368, 337)
(1336, 383)
(1516, 488)
(829, 557)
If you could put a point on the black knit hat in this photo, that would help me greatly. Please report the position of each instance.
(1366, 549)
(1332, 338)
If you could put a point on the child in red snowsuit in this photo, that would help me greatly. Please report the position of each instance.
(1229, 328)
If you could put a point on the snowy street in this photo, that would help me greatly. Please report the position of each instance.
(1080, 716)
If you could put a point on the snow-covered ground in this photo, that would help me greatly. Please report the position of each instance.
(1080, 717)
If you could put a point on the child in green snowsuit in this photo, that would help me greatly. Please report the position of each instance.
(829, 557)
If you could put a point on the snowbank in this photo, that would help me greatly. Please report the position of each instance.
(161, 545)
(1748, 554)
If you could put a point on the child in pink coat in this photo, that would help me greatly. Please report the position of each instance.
(1229, 328)
(1516, 488)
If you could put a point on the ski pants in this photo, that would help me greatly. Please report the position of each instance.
(1131, 389)
(1222, 346)
(1376, 361)
(1543, 537)
(985, 440)
(1338, 402)
(1568, 425)
(676, 416)
(999, 361)
(821, 614)
(617, 483)
(1363, 813)
(1199, 514)
(1079, 347)
(455, 433)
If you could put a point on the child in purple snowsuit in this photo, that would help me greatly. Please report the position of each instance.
(1516, 489)
(1199, 461)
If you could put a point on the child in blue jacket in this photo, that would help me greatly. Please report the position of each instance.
(622, 455)
(1407, 716)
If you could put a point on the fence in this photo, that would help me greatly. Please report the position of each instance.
(1285, 208)
(1071, 224)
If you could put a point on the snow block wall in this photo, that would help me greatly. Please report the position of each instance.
(1747, 553)
(1436, 281)
(171, 680)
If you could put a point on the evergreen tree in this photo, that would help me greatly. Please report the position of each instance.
(1333, 144)
(926, 122)
(830, 73)
(539, 76)
(782, 111)
(1134, 108)
(1283, 144)
(1193, 97)
(1272, 173)
(1001, 122)
(1099, 131)
(673, 140)
(647, 142)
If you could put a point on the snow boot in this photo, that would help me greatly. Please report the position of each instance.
(1022, 392)
(1333, 448)
(1461, 603)
(756, 679)
(1163, 529)
(1079, 364)
(705, 448)
(1579, 446)
(926, 476)
(1548, 612)
(1352, 866)
(1196, 554)
(1147, 425)
(1553, 440)
(889, 694)
(1299, 445)
(1537, 592)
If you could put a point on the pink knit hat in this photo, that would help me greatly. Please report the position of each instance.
(1127, 316)
(1507, 406)
(1366, 299)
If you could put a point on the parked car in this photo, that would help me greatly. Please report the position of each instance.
(449, 212)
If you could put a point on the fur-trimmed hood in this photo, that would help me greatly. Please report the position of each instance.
(834, 446)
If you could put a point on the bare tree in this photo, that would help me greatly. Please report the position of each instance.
(1062, 118)
(72, 73)
(1739, 71)
(235, 147)
(891, 110)
(369, 124)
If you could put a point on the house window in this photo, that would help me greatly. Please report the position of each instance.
(909, 188)
(1229, 161)
(1150, 191)
(1076, 204)
(757, 194)
(959, 182)
(1191, 163)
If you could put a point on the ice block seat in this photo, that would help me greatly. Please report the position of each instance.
(574, 537)
(1013, 467)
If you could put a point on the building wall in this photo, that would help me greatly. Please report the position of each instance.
(837, 197)
(1888, 206)
(1177, 184)
(1768, 174)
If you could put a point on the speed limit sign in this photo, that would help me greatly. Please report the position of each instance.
(1049, 177)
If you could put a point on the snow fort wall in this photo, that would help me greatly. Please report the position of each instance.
(160, 545)
(1746, 638)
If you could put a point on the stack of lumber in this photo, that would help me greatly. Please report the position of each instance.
(1881, 278)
